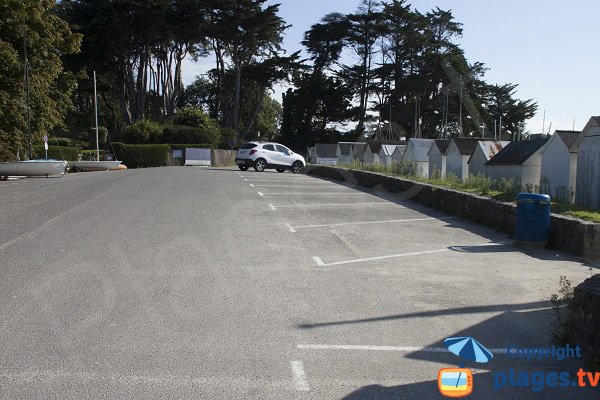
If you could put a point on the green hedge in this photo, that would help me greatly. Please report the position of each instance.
(142, 155)
(175, 146)
(143, 132)
(188, 134)
(57, 152)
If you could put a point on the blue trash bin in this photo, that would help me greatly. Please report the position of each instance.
(533, 219)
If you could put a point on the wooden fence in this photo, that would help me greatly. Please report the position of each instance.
(223, 158)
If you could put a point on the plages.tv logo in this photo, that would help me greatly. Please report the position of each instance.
(458, 382)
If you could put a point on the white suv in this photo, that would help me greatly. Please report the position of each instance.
(261, 156)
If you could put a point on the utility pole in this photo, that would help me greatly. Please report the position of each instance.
(460, 109)
(500, 129)
(482, 129)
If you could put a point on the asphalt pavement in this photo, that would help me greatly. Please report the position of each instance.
(207, 283)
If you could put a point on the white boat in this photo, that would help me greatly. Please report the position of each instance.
(94, 165)
(42, 167)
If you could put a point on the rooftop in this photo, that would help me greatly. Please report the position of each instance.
(568, 137)
(516, 153)
(326, 150)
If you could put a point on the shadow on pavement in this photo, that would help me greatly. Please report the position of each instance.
(488, 233)
(437, 313)
(515, 329)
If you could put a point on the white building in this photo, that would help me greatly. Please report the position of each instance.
(437, 158)
(398, 154)
(372, 152)
(348, 151)
(385, 153)
(587, 147)
(416, 152)
(326, 153)
(484, 152)
(457, 157)
(559, 166)
(520, 161)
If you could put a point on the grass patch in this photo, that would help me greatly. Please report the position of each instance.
(502, 190)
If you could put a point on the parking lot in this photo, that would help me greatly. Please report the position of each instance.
(217, 283)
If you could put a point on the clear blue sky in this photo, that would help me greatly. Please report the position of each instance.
(550, 48)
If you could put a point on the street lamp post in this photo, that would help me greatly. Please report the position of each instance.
(460, 108)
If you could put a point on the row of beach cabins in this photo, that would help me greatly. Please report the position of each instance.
(565, 165)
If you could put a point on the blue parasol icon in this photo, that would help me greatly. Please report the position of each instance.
(468, 349)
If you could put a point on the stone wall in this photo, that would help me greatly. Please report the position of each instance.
(585, 316)
(568, 234)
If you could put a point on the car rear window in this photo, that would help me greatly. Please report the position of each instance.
(248, 145)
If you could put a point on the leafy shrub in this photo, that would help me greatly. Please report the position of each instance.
(65, 142)
(226, 135)
(176, 146)
(480, 183)
(143, 132)
(56, 152)
(102, 135)
(142, 155)
(508, 186)
(194, 117)
(186, 134)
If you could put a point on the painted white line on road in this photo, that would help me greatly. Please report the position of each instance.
(417, 253)
(340, 205)
(272, 207)
(321, 193)
(307, 186)
(260, 194)
(384, 348)
(251, 185)
(299, 376)
(357, 260)
(246, 180)
(290, 228)
(319, 262)
(372, 222)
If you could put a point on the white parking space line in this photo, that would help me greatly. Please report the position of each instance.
(341, 205)
(251, 185)
(281, 182)
(290, 228)
(246, 180)
(260, 194)
(321, 193)
(373, 222)
(320, 263)
(299, 376)
(331, 186)
(384, 348)
(272, 207)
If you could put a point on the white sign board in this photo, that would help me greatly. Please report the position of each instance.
(177, 153)
(327, 160)
(197, 157)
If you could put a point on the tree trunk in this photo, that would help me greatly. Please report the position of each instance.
(236, 104)
(256, 109)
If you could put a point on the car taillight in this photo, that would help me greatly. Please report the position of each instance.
(252, 152)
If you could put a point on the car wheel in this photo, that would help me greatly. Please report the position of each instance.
(260, 165)
(243, 167)
(297, 167)
(280, 170)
